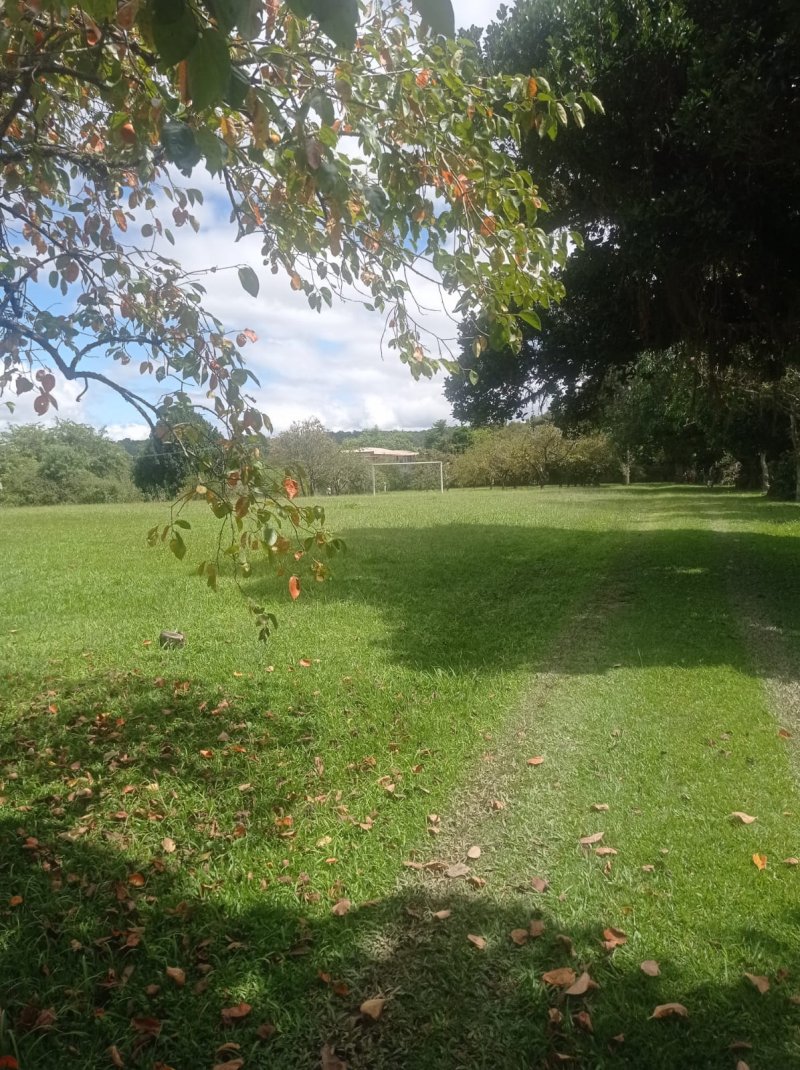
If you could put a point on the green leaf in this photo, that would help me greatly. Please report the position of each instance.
(531, 319)
(337, 18)
(249, 280)
(180, 145)
(100, 10)
(178, 546)
(209, 69)
(438, 14)
(174, 30)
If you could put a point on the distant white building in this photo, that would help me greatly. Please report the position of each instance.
(378, 453)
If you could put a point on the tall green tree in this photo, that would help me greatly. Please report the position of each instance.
(685, 192)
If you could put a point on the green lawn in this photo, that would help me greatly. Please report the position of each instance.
(205, 809)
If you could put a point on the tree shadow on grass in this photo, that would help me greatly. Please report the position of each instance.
(493, 598)
(83, 962)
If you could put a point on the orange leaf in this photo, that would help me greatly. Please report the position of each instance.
(536, 761)
(670, 1010)
(760, 861)
(614, 938)
(373, 1008)
(177, 975)
(758, 981)
(478, 941)
(15, 900)
(581, 986)
(8, 1062)
(234, 1014)
(603, 852)
(584, 1021)
(563, 977)
(784, 733)
(294, 587)
(650, 967)
(519, 936)
(533, 87)
(291, 487)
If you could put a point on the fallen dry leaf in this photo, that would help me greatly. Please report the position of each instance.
(147, 1026)
(267, 1029)
(583, 1021)
(231, 1064)
(536, 928)
(563, 977)
(15, 900)
(587, 841)
(536, 761)
(784, 733)
(478, 941)
(670, 1010)
(176, 974)
(539, 884)
(791, 861)
(614, 938)
(758, 981)
(474, 852)
(329, 1060)
(650, 967)
(341, 907)
(581, 986)
(648, 869)
(373, 1008)
(745, 819)
(115, 1056)
(498, 804)
(604, 852)
(760, 861)
(740, 1045)
(235, 1013)
(742, 1065)
(442, 914)
(554, 1015)
(599, 807)
(168, 845)
(519, 936)
(458, 869)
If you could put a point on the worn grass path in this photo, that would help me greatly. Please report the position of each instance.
(644, 643)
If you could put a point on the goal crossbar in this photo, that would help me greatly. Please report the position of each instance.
(406, 464)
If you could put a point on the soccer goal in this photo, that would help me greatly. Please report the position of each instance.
(405, 464)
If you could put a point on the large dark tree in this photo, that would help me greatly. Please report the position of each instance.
(686, 192)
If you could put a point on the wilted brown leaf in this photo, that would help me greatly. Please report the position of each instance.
(581, 986)
(587, 841)
(583, 1021)
(474, 852)
(478, 941)
(115, 1056)
(599, 807)
(458, 869)
(519, 936)
(784, 733)
(604, 852)
(147, 1026)
(536, 761)
(742, 1065)
(176, 974)
(329, 1060)
(536, 928)
(498, 804)
(373, 1008)
(554, 1016)
(267, 1029)
(442, 914)
(740, 1045)
(235, 1013)
(745, 819)
(341, 907)
(137, 880)
(15, 900)
(758, 981)
(231, 1064)
(760, 861)
(560, 978)
(648, 869)
(168, 845)
(791, 861)
(614, 938)
(650, 967)
(539, 884)
(670, 1010)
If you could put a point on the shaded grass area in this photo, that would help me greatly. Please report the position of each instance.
(317, 782)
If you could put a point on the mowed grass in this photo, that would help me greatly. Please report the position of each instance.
(206, 808)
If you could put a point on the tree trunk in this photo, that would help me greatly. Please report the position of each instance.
(762, 460)
(625, 466)
(795, 433)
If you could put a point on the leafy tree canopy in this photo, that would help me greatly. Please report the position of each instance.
(362, 148)
(685, 192)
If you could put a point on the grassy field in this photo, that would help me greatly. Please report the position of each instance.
(243, 815)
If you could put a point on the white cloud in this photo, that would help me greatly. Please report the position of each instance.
(135, 431)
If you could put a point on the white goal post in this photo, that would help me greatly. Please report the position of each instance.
(406, 464)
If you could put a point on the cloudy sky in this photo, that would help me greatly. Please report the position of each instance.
(327, 365)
